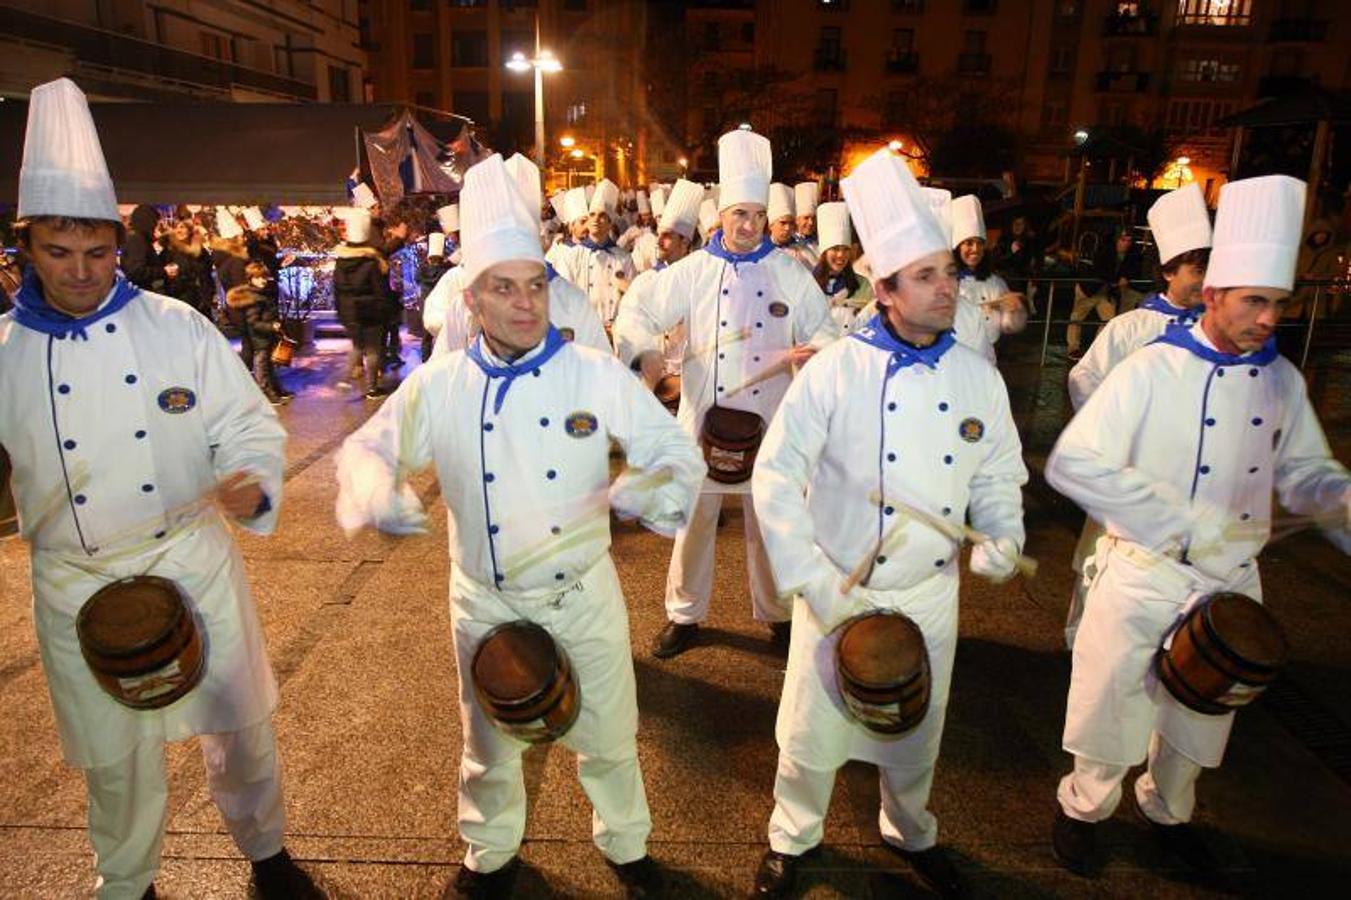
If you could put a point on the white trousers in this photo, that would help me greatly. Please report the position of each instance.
(802, 797)
(1166, 792)
(492, 807)
(127, 802)
(689, 582)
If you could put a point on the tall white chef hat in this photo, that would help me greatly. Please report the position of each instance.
(358, 225)
(968, 219)
(832, 225)
(574, 205)
(940, 204)
(745, 165)
(708, 218)
(556, 201)
(681, 213)
(363, 196)
(895, 222)
(658, 200)
(711, 193)
(227, 226)
(589, 191)
(805, 195)
(644, 204)
(1180, 222)
(1257, 233)
(449, 217)
(63, 171)
(526, 175)
(253, 217)
(436, 244)
(780, 202)
(495, 224)
(605, 198)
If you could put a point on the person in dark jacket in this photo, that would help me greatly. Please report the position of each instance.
(187, 264)
(256, 306)
(363, 296)
(142, 262)
(1108, 290)
(230, 256)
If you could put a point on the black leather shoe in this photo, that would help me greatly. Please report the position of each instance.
(279, 878)
(781, 633)
(473, 885)
(674, 640)
(642, 878)
(1183, 842)
(776, 875)
(936, 869)
(1074, 843)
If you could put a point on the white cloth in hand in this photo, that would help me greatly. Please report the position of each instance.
(831, 606)
(402, 513)
(995, 559)
(650, 497)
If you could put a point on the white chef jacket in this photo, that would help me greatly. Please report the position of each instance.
(672, 342)
(977, 326)
(569, 311)
(1121, 336)
(117, 431)
(742, 314)
(931, 428)
(603, 274)
(1179, 427)
(526, 484)
(645, 251)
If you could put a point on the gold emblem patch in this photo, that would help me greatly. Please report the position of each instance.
(971, 430)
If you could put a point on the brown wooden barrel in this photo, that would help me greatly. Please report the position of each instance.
(139, 638)
(9, 519)
(882, 668)
(1224, 654)
(524, 682)
(731, 438)
(284, 351)
(667, 390)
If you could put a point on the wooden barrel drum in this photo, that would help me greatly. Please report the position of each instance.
(524, 682)
(731, 438)
(139, 639)
(1224, 654)
(882, 668)
(284, 352)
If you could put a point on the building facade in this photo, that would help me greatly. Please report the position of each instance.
(212, 50)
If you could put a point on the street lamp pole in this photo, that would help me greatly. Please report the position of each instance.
(543, 62)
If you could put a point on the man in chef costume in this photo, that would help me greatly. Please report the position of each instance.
(644, 223)
(752, 313)
(783, 226)
(806, 195)
(679, 218)
(569, 309)
(133, 412)
(946, 445)
(518, 427)
(596, 264)
(1177, 453)
(1180, 224)
(642, 245)
(576, 223)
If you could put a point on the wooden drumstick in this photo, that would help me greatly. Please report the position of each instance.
(782, 367)
(958, 532)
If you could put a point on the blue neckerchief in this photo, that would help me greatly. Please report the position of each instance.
(875, 334)
(592, 245)
(1180, 335)
(1159, 303)
(715, 247)
(660, 264)
(964, 273)
(549, 271)
(553, 342)
(32, 310)
(833, 285)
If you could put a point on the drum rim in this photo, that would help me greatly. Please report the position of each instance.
(87, 641)
(1177, 686)
(873, 685)
(560, 665)
(1231, 655)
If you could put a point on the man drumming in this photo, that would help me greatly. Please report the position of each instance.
(519, 426)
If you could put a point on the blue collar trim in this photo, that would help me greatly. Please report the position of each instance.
(875, 334)
(553, 342)
(1180, 335)
(1159, 303)
(549, 271)
(715, 247)
(592, 245)
(32, 310)
(965, 273)
(659, 265)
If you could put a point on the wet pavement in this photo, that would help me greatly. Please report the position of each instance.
(369, 735)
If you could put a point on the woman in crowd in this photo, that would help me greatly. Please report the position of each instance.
(363, 297)
(834, 272)
(187, 263)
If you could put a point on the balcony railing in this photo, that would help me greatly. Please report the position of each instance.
(898, 63)
(1311, 30)
(973, 64)
(829, 59)
(108, 50)
(1123, 82)
(1140, 25)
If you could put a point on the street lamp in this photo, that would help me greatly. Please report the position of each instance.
(543, 61)
(567, 140)
(895, 146)
(1081, 136)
